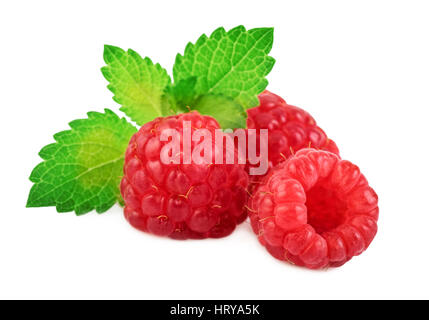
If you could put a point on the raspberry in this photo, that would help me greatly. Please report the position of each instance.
(315, 210)
(181, 201)
(290, 129)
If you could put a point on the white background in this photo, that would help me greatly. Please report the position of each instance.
(360, 67)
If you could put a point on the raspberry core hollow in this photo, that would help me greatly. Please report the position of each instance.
(315, 210)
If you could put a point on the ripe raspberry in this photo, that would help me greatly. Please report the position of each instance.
(180, 201)
(290, 129)
(315, 210)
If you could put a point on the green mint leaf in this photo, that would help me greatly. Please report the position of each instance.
(183, 92)
(233, 64)
(168, 102)
(179, 97)
(83, 169)
(138, 85)
(229, 113)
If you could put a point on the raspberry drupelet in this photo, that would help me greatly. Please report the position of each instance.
(315, 210)
(181, 201)
(289, 130)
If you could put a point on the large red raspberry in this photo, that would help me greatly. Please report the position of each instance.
(289, 129)
(315, 210)
(180, 201)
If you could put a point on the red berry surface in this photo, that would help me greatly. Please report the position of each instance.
(315, 210)
(181, 201)
(289, 129)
